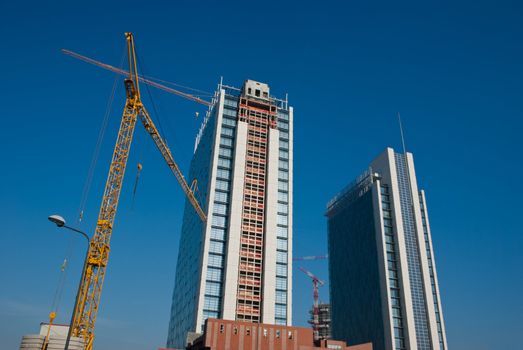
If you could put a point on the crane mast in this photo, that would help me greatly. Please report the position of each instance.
(316, 283)
(90, 289)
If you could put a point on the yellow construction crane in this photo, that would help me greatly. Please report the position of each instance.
(90, 289)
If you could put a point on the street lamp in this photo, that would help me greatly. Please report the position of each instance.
(60, 222)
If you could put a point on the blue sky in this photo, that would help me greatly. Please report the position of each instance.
(453, 70)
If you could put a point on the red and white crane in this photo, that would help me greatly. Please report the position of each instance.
(316, 283)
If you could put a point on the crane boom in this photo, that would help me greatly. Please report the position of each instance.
(90, 289)
(140, 78)
(167, 155)
(311, 257)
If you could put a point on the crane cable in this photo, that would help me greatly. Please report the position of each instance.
(161, 130)
(99, 142)
(85, 194)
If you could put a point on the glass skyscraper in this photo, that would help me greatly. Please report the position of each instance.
(238, 264)
(383, 281)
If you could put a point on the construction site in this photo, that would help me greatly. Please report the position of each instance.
(232, 175)
(244, 185)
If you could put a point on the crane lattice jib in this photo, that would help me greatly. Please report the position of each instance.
(167, 155)
(93, 274)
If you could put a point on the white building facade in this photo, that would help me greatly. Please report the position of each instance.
(238, 265)
(381, 256)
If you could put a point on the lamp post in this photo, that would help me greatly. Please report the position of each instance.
(60, 222)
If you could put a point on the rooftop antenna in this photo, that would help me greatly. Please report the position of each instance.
(401, 132)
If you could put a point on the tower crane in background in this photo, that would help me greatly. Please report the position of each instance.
(88, 298)
(316, 283)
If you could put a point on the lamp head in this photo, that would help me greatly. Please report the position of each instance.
(57, 219)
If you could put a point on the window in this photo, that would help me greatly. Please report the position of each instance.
(225, 141)
(283, 175)
(218, 233)
(283, 208)
(209, 314)
(227, 131)
(217, 247)
(280, 310)
(257, 93)
(281, 297)
(282, 220)
(218, 221)
(281, 231)
(284, 135)
(281, 244)
(230, 103)
(215, 260)
(284, 154)
(283, 196)
(229, 122)
(282, 185)
(229, 112)
(221, 196)
(281, 257)
(225, 152)
(213, 288)
(283, 125)
(281, 270)
(284, 144)
(283, 164)
(222, 185)
(214, 274)
(283, 115)
(280, 321)
(220, 209)
(226, 163)
(281, 283)
(211, 303)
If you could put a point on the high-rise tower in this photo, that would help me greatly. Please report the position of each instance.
(238, 265)
(383, 281)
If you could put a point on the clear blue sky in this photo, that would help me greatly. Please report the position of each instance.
(453, 69)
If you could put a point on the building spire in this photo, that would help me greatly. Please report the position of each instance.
(401, 133)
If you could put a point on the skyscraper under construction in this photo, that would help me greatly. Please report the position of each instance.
(238, 264)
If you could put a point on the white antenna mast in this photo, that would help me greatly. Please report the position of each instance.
(401, 132)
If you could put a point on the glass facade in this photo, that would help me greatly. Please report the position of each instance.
(419, 306)
(212, 306)
(393, 272)
(354, 270)
(280, 307)
(188, 267)
(437, 307)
